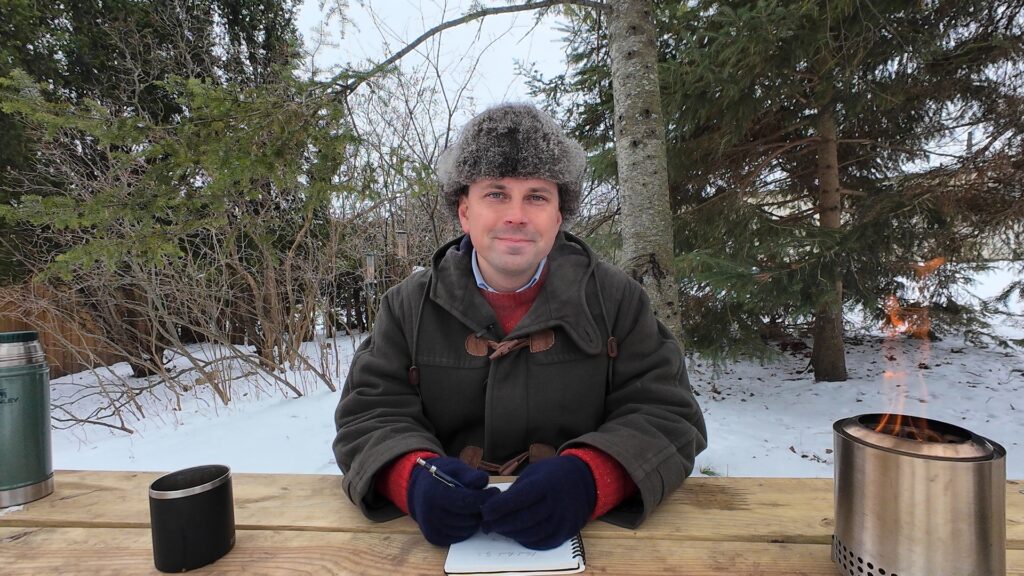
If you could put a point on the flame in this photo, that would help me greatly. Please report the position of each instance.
(907, 427)
(912, 320)
(924, 269)
(894, 312)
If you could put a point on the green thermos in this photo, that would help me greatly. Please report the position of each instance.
(26, 460)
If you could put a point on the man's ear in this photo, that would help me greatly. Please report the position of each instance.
(464, 212)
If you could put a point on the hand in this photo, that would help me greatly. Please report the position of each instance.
(548, 504)
(447, 515)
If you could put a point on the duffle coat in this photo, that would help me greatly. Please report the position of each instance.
(613, 379)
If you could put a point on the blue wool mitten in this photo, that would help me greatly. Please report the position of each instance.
(548, 504)
(447, 515)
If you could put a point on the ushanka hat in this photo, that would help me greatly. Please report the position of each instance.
(513, 141)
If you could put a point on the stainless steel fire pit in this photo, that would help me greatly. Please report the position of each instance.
(917, 497)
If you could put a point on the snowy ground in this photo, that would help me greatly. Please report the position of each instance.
(260, 430)
(763, 420)
(775, 421)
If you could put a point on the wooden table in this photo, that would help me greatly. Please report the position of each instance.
(98, 523)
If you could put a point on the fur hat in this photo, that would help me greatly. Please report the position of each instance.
(513, 140)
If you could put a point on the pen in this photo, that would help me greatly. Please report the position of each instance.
(438, 474)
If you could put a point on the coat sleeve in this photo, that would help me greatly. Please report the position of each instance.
(653, 425)
(379, 417)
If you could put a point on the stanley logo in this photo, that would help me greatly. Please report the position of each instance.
(4, 399)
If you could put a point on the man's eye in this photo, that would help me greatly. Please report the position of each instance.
(497, 195)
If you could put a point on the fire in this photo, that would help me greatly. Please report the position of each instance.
(907, 427)
(912, 320)
(894, 312)
(926, 268)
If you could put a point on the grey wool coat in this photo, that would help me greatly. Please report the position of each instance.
(634, 403)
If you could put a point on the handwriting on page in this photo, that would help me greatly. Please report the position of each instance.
(499, 554)
(506, 555)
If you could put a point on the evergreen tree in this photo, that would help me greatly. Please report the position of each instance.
(802, 151)
(118, 171)
(29, 42)
(116, 53)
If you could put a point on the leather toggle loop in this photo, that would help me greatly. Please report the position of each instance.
(538, 342)
(506, 346)
(476, 346)
(473, 457)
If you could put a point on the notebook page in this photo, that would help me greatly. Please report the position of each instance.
(495, 555)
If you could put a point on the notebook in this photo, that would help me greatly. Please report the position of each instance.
(496, 555)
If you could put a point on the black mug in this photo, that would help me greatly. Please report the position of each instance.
(192, 516)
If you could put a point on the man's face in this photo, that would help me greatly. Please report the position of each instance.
(513, 223)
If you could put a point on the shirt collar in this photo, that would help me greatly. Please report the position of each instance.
(482, 284)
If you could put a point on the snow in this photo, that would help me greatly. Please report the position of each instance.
(10, 509)
(774, 420)
(260, 430)
(767, 419)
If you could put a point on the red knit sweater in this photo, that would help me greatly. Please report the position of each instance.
(611, 480)
(510, 307)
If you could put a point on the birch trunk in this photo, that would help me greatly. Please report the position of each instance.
(640, 153)
(828, 357)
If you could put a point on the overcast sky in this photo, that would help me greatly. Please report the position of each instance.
(374, 29)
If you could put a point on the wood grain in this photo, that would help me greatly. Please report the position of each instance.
(772, 510)
(98, 523)
(129, 551)
(99, 551)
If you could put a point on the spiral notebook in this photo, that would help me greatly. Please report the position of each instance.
(495, 555)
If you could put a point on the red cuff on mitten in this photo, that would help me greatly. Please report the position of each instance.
(393, 480)
(611, 480)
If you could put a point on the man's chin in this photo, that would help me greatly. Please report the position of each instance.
(515, 246)
(515, 267)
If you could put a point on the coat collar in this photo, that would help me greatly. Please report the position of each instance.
(561, 303)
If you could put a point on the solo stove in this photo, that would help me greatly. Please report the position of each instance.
(917, 497)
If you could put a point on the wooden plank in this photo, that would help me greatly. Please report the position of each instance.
(113, 551)
(269, 501)
(710, 509)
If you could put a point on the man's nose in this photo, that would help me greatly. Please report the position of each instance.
(515, 213)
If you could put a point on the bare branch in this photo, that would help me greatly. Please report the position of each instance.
(345, 88)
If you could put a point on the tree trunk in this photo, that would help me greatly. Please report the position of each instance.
(828, 357)
(647, 241)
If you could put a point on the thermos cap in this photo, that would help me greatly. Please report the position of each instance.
(18, 349)
(18, 337)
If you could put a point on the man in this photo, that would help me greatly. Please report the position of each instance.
(518, 352)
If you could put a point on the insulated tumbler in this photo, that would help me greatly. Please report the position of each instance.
(26, 460)
(192, 516)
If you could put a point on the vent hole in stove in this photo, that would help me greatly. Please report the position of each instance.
(850, 564)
